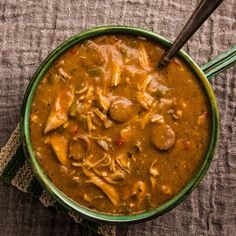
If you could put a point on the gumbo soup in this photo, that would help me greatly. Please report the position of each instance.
(113, 132)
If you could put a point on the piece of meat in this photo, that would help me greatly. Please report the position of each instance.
(106, 188)
(115, 74)
(60, 146)
(60, 108)
(145, 100)
(143, 58)
(116, 63)
(96, 53)
(121, 110)
(123, 161)
(107, 123)
(115, 178)
(102, 102)
(76, 150)
(163, 136)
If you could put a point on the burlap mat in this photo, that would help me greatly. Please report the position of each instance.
(29, 30)
(15, 169)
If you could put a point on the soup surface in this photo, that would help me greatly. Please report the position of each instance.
(114, 133)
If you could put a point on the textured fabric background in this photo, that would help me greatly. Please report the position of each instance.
(29, 30)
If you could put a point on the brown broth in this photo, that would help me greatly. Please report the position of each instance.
(152, 126)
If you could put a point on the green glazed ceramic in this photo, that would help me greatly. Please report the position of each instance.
(210, 69)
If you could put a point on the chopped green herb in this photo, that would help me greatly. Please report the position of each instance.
(133, 43)
(123, 50)
(53, 79)
(98, 71)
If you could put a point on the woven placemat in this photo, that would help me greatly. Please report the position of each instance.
(15, 169)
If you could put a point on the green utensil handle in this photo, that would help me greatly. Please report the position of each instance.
(220, 63)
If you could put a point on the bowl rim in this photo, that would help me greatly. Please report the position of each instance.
(58, 195)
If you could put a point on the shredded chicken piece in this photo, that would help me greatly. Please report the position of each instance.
(145, 119)
(112, 166)
(115, 178)
(106, 157)
(135, 73)
(90, 165)
(100, 114)
(157, 118)
(143, 59)
(103, 144)
(100, 173)
(107, 123)
(115, 74)
(77, 164)
(101, 55)
(144, 99)
(123, 162)
(99, 137)
(82, 90)
(60, 146)
(106, 188)
(64, 74)
(59, 112)
(89, 122)
(103, 102)
(90, 94)
(153, 169)
(145, 83)
(116, 62)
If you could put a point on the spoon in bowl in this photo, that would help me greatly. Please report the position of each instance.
(204, 9)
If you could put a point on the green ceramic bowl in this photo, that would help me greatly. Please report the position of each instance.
(60, 196)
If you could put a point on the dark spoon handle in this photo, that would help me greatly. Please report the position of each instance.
(200, 14)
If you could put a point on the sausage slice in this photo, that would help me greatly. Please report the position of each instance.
(163, 137)
(121, 110)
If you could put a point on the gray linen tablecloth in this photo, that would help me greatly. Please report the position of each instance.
(30, 29)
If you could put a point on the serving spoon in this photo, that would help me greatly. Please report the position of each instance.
(204, 9)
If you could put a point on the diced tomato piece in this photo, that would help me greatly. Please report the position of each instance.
(119, 142)
(73, 51)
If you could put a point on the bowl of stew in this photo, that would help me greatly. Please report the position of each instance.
(112, 137)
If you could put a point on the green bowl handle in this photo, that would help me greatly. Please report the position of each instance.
(220, 63)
